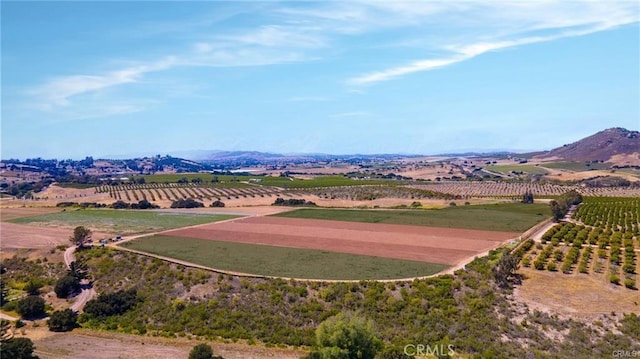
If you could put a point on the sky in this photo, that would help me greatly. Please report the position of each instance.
(341, 77)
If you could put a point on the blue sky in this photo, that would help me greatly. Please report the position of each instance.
(109, 78)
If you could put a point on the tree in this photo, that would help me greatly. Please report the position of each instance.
(558, 210)
(346, 336)
(81, 235)
(217, 203)
(186, 203)
(33, 286)
(66, 286)
(505, 269)
(201, 351)
(78, 270)
(31, 307)
(108, 304)
(62, 320)
(17, 348)
(527, 197)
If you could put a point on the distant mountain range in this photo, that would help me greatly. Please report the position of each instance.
(251, 158)
(616, 145)
(603, 146)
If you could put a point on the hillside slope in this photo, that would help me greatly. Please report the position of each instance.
(613, 142)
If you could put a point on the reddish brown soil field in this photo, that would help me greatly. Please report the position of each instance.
(427, 244)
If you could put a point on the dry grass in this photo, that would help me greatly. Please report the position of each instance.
(576, 294)
(82, 343)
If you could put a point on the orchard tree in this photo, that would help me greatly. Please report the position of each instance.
(81, 235)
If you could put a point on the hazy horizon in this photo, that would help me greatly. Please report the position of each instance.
(106, 78)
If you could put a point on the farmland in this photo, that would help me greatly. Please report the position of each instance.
(281, 261)
(230, 180)
(322, 249)
(509, 217)
(172, 191)
(577, 166)
(531, 169)
(121, 221)
(495, 189)
(601, 241)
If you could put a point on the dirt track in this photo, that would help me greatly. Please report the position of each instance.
(427, 244)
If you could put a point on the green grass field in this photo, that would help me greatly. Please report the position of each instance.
(281, 261)
(122, 221)
(285, 182)
(577, 166)
(506, 169)
(509, 217)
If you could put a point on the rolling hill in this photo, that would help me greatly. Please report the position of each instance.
(611, 145)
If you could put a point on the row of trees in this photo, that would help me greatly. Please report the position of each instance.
(293, 202)
(560, 207)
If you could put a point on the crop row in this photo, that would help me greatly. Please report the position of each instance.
(512, 189)
(172, 191)
(363, 193)
(607, 241)
(611, 213)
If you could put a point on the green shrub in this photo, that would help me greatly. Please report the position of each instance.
(62, 321)
(201, 351)
(552, 266)
(613, 278)
(31, 307)
(66, 286)
(630, 283)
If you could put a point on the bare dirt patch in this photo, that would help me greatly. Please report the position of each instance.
(82, 343)
(19, 236)
(577, 294)
(7, 214)
(427, 244)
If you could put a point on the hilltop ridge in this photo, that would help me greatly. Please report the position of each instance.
(603, 146)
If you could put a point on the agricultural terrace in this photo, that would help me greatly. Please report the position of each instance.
(515, 190)
(281, 261)
(601, 240)
(122, 221)
(504, 217)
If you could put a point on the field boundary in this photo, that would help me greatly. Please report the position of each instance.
(262, 276)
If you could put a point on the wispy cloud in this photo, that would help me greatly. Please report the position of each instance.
(531, 20)
(57, 92)
(284, 33)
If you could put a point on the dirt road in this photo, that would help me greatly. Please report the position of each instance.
(87, 292)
